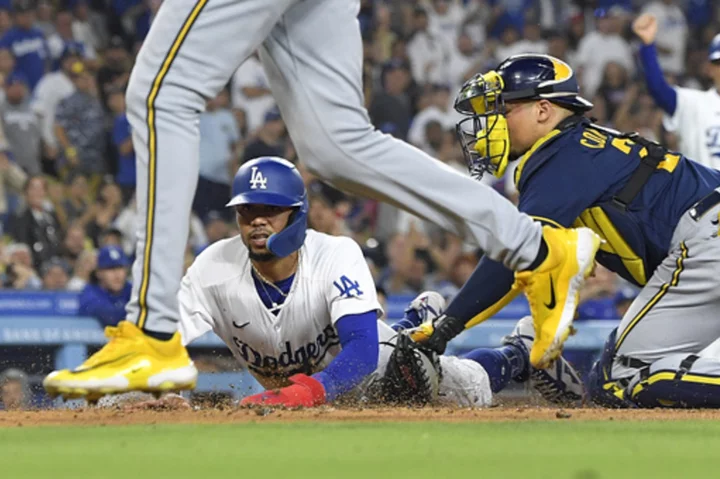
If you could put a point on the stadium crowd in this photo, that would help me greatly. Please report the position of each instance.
(67, 167)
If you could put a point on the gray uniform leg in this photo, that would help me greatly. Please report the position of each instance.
(313, 58)
(314, 63)
(666, 351)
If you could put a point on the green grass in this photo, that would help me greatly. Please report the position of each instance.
(559, 449)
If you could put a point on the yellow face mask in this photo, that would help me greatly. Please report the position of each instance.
(487, 144)
(493, 145)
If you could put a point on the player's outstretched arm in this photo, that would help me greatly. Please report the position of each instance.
(645, 27)
(358, 336)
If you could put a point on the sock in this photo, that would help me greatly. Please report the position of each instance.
(542, 254)
(501, 364)
(159, 336)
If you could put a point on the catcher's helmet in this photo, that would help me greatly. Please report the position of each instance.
(276, 182)
(482, 99)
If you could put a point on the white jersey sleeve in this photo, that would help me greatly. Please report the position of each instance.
(688, 104)
(349, 285)
(196, 311)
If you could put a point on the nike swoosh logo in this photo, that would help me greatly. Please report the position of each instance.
(240, 326)
(104, 363)
(551, 304)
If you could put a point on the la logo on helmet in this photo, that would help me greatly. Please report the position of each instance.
(257, 180)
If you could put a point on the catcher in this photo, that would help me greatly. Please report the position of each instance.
(656, 210)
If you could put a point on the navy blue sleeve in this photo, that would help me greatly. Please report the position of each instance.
(358, 335)
(663, 94)
(487, 285)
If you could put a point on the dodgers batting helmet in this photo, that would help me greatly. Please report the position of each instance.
(714, 50)
(276, 182)
(482, 99)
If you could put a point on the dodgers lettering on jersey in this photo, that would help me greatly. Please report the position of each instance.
(30, 50)
(218, 294)
(697, 123)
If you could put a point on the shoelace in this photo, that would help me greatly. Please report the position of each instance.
(115, 338)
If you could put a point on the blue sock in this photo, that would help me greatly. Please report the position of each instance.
(501, 364)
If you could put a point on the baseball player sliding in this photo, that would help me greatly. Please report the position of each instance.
(306, 324)
(312, 53)
(694, 115)
(657, 210)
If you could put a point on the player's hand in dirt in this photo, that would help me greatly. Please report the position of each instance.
(645, 27)
(169, 402)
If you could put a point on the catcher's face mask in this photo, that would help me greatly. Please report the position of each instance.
(483, 135)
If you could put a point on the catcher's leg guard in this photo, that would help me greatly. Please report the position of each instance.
(602, 389)
(677, 381)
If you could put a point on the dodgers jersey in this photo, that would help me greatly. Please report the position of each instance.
(218, 294)
(697, 122)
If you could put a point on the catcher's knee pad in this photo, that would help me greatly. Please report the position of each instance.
(677, 381)
(602, 389)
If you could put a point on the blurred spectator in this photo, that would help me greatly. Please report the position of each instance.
(613, 88)
(531, 42)
(445, 18)
(44, 17)
(251, 93)
(429, 52)
(105, 297)
(559, 47)
(111, 237)
(391, 108)
(600, 47)
(465, 61)
(73, 244)
(63, 36)
(219, 139)
(12, 180)
(623, 299)
(75, 208)
(79, 127)
(55, 274)
(459, 273)
(27, 42)
(53, 88)
(21, 124)
(7, 66)
(37, 226)
(438, 110)
(597, 295)
(506, 14)
(19, 270)
(328, 207)
(114, 73)
(383, 34)
(216, 227)
(84, 266)
(122, 141)
(87, 28)
(105, 210)
(14, 390)
(126, 223)
(269, 138)
(671, 44)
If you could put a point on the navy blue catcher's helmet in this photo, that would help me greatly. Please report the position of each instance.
(276, 182)
(524, 77)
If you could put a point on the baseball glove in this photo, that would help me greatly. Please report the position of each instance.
(412, 375)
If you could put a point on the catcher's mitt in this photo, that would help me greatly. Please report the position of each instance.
(412, 375)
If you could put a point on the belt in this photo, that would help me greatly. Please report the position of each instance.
(704, 205)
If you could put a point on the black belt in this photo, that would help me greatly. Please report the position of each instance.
(701, 207)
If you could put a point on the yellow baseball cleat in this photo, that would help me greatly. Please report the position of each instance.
(130, 361)
(552, 289)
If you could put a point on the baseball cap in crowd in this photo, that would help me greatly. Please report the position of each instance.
(16, 77)
(73, 49)
(714, 51)
(111, 257)
(273, 114)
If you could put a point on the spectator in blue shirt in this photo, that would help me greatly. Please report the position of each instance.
(122, 142)
(105, 297)
(26, 42)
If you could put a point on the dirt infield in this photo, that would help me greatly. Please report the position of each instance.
(106, 417)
